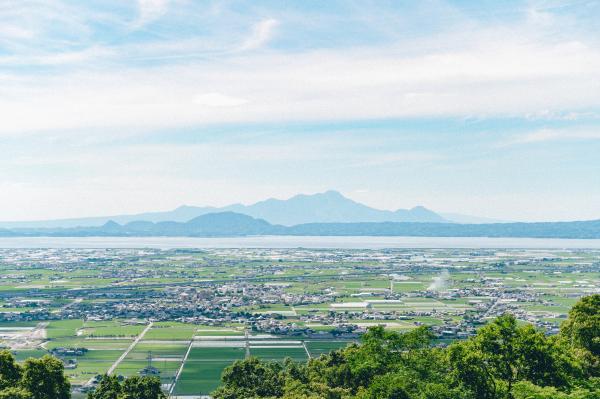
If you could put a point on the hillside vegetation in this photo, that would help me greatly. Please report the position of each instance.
(505, 360)
(44, 378)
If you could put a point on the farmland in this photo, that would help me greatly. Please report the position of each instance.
(185, 315)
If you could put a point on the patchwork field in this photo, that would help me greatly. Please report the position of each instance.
(202, 371)
(186, 314)
(163, 349)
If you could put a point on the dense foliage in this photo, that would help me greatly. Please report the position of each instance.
(44, 379)
(36, 379)
(135, 387)
(504, 360)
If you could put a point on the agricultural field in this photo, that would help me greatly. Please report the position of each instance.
(185, 315)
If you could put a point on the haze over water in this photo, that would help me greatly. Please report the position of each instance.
(296, 242)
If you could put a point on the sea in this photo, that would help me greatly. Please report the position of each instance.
(311, 242)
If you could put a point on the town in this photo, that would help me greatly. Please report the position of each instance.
(173, 313)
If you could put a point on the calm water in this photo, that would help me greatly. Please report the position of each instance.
(294, 242)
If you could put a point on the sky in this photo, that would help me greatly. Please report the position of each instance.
(487, 108)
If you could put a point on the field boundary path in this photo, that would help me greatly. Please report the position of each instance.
(133, 344)
(306, 349)
(187, 353)
(247, 337)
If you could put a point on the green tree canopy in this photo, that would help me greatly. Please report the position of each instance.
(581, 331)
(44, 378)
(135, 387)
(504, 360)
(10, 371)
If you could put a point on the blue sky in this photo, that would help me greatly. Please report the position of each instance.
(490, 108)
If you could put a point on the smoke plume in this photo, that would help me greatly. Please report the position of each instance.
(440, 282)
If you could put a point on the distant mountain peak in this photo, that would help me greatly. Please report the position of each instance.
(111, 224)
(329, 206)
(334, 194)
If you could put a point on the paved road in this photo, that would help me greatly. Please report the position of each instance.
(496, 301)
(133, 344)
(247, 338)
(187, 353)
(306, 349)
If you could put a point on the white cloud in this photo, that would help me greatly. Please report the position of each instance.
(545, 135)
(150, 10)
(490, 71)
(67, 58)
(485, 79)
(15, 32)
(218, 100)
(261, 33)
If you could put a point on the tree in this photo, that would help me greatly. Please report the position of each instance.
(498, 343)
(137, 387)
(512, 353)
(542, 360)
(110, 387)
(251, 378)
(388, 386)
(44, 378)
(504, 360)
(15, 393)
(10, 371)
(582, 332)
(469, 369)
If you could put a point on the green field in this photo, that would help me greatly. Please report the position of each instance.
(102, 299)
(279, 354)
(171, 331)
(202, 371)
(318, 348)
(63, 328)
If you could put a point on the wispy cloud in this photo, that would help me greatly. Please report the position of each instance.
(16, 32)
(481, 79)
(260, 35)
(218, 100)
(150, 10)
(80, 79)
(546, 135)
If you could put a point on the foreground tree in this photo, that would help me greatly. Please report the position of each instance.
(511, 353)
(581, 332)
(10, 371)
(504, 360)
(110, 387)
(44, 378)
(15, 393)
(37, 379)
(251, 378)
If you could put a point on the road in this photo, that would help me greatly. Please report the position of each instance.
(495, 301)
(133, 344)
(306, 349)
(187, 353)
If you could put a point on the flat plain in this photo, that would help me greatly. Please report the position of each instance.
(185, 315)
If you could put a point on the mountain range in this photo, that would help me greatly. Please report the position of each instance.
(327, 207)
(227, 224)
(328, 213)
